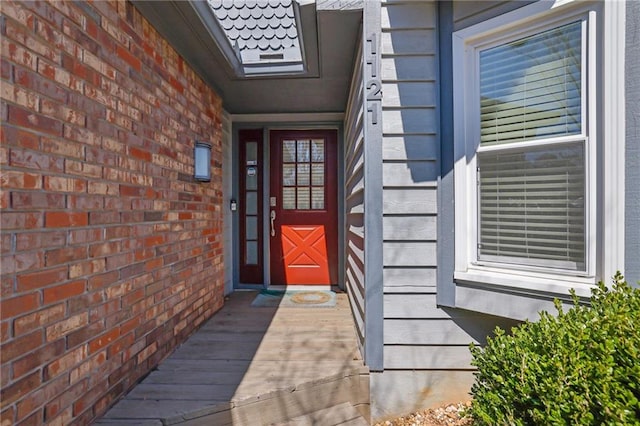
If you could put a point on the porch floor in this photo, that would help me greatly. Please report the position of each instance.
(253, 365)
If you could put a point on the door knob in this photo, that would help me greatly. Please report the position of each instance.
(273, 217)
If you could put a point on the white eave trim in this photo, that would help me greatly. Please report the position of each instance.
(310, 117)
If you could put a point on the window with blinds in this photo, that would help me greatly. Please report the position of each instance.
(531, 185)
(530, 88)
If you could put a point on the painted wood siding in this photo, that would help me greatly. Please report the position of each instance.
(417, 334)
(410, 147)
(632, 155)
(227, 185)
(410, 174)
(354, 199)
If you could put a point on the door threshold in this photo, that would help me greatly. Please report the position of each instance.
(306, 287)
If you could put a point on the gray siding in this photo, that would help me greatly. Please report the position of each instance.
(354, 199)
(417, 335)
(632, 154)
(425, 351)
(425, 347)
(227, 188)
(410, 169)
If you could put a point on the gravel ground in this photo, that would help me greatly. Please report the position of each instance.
(447, 415)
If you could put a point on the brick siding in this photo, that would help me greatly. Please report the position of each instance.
(111, 253)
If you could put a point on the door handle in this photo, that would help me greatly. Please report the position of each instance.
(273, 217)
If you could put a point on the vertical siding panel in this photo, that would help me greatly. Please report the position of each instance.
(227, 189)
(363, 203)
(374, 298)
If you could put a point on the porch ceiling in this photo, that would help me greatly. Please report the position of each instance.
(329, 29)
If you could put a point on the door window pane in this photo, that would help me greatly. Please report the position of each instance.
(304, 202)
(317, 174)
(251, 228)
(252, 203)
(289, 198)
(252, 153)
(252, 179)
(304, 151)
(251, 257)
(289, 174)
(303, 174)
(317, 198)
(289, 151)
(317, 151)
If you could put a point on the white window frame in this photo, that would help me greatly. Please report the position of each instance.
(602, 129)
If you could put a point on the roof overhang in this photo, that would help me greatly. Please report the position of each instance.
(257, 37)
(328, 31)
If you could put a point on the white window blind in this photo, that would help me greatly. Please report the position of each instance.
(531, 197)
(532, 206)
(530, 88)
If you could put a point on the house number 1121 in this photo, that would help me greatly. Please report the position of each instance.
(374, 86)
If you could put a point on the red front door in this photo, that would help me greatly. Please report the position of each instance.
(303, 212)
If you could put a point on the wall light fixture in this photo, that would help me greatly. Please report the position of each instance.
(202, 161)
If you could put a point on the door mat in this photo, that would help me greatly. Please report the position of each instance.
(295, 299)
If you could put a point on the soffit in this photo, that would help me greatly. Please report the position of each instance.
(329, 30)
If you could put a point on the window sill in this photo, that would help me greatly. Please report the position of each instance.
(516, 294)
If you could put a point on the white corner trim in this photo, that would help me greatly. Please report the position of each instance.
(460, 151)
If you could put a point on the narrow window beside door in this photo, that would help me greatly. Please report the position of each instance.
(251, 268)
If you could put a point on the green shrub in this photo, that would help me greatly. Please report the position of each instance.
(581, 367)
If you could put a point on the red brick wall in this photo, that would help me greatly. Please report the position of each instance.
(111, 253)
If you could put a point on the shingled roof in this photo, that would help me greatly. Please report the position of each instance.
(264, 33)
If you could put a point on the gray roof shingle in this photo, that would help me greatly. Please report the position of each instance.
(262, 31)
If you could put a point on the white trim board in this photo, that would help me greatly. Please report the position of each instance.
(288, 118)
